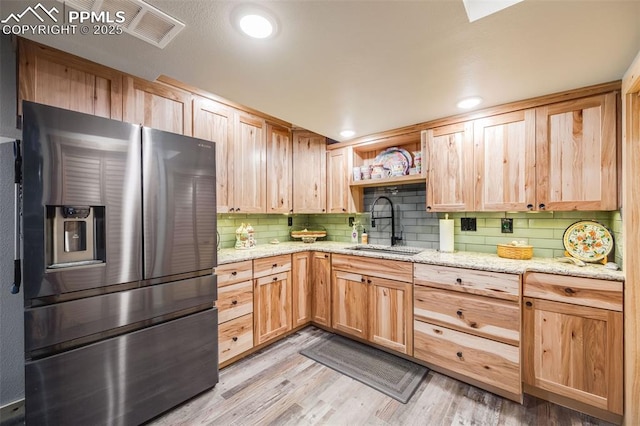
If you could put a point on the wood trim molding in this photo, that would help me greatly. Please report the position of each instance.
(630, 227)
(597, 89)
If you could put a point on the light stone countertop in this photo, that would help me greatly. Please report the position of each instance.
(463, 259)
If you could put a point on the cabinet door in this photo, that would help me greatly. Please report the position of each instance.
(301, 288)
(321, 285)
(350, 303)
(576, 154)
(574, 351)
(504, 159)
(339, 196)
(58, 79)
(271, 306)
(391, 314)
(249, 165)
(309, 173)
(158, 106)
(213, 121)
(450, 168)
(279, 172)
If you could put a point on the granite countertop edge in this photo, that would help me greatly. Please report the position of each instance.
(462, 259)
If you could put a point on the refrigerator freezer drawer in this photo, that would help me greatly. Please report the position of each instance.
(90, 318)
(128, 379)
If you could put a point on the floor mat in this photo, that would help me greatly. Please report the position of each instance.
(387, 373)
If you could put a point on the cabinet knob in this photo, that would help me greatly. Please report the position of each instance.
(459, 313)
(459, 280)
(369, 281)
(235, 339)
(275, 278)
(234, 273)
(530, 206)
(323, 210)
(362, 280)
(231, 209)
(291, 211)
(529, 304)
(234, 302)
(428, 208)
(459, 355)
(344, 210)
(541, 206)
(326, 256)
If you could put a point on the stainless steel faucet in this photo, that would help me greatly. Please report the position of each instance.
(394, 239)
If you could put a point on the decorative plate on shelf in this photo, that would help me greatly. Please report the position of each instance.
(588, 241)
(394, 155)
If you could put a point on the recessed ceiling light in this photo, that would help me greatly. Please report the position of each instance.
(347, 133)
(469, 103)
(254, 21)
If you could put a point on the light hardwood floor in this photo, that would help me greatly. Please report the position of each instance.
(279, 386)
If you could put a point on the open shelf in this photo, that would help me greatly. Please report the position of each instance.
(399, 180)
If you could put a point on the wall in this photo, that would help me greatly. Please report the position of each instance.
(11, 306)
(266, 227)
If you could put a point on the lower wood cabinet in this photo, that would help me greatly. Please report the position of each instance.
(369, 306)
(573, 353)
(467, 324)
(235, 310)
(321, 288)
(271, 297)
(302, 266)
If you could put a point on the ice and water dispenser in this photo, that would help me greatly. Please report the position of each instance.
(75, 236)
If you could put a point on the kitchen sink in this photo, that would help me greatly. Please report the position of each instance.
(403, 251)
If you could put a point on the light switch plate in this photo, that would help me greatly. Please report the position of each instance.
(506, 225)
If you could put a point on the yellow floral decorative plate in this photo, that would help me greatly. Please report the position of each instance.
(588, 241)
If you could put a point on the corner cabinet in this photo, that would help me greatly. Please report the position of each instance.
(372, 300)
(449, 168)
(271, 297)
(572, 329)
(576, 154)
(309, 173)
(302, 266)
(279, 170)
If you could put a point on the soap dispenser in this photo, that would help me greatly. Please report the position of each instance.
(354, 234)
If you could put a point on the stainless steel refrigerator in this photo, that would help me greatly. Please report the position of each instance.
(119, 246)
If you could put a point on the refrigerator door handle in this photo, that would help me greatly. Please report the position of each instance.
(17, 269)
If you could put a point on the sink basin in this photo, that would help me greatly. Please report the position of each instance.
(403, 251)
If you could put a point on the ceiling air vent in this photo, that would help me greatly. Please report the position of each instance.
(141, 19)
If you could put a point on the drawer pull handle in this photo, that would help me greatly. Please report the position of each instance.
(459, 355)
(234, 273)
(235, 339)
(459, 313)
(459, 280)
(326, 256)
(529, 304)
(275, 278)
(369, 281)
(569, 290)
(275, 265)
(234, 302)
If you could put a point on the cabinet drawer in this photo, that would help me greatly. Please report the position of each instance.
(483, 316)
(234, 272)
(483, 283)
(484, 360)
(235, 301)
(271, 265)
(235, 337)
(577, 291)
(391, 269)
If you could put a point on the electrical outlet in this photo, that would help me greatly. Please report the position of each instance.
(468, 224)
(289, 221)
(351, 219)
(506, 225)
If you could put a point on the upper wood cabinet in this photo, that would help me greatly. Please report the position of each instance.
(341, 198)
(279, 170)
(214, 121)
(55, 78)
(576, 154)
(157, 105)
(249, 166)
(504, 161)
(450, 168)
(309, 173)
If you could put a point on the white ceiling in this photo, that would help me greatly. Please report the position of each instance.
(377, 65)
